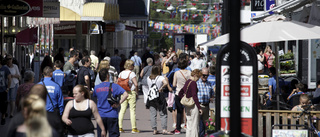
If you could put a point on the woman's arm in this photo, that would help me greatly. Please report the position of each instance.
(135, 83)
(66, 112)
(294, 90)
(164, 84)
(97, 117)
(174, 83)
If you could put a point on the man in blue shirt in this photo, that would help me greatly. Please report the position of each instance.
(205, 96)
(212, 77)
(58, 74)
(5, 82)
(108, 113)
(54, 100)
(137, 64)
(272, 84)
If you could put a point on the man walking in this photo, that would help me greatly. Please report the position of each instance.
(205, 96)
(83, 77)
(137, 64)
(5, 82)
(116, 60)
(54, 100)
(108, 113)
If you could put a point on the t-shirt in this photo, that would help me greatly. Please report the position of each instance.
(4, 72)
(94, 61)
(83, 71)
(269, 59)
(101, 92)
(180, 79)
(136, 59)
(67, 66)
(272, 82)
(124, 74)
(212, 80)
(58, 76)
(14, 70)
(197, 64)
(260, 65)
(158, 81)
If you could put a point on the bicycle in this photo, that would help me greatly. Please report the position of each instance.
(310, 131)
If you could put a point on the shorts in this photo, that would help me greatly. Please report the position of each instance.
(12, 93)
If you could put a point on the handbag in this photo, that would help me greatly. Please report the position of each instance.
(112, 100)
(188, 102)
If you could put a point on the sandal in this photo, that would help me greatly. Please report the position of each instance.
(167, 133)
(155, 132)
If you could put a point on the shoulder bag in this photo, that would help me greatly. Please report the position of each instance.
(188, 102)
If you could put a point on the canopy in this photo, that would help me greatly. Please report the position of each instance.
(272, 32)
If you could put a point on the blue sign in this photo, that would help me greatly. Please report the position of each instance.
(269, 5)
(140, 36)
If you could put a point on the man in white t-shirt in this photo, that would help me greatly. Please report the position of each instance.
(197, 63)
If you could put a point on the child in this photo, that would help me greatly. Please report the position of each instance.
(298, 90)
(304, 100)
(58, 75)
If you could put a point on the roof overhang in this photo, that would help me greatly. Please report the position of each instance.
(286, 7)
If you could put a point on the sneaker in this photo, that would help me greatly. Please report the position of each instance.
(177, 132)
(183, 125)
(3, 121)
(135, 130)
(174, 125)
(121, 130)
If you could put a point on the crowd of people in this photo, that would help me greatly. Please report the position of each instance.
(73, 91)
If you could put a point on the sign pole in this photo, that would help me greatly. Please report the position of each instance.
(235, 95)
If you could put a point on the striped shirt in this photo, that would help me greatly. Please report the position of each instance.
(205, 91)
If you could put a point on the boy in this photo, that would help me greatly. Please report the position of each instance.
(58, 74)
(304, 100)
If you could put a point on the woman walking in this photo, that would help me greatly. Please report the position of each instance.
(15, 75)
(158, 103)
(78, 112)
(190, 90)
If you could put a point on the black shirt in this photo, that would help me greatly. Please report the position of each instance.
(83, 71)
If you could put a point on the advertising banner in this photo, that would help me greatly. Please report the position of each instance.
(257, 5)
(248, 89)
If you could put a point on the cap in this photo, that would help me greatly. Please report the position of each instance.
(186, 46)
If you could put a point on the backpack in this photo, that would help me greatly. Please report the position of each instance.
(124, 83)
(111, 99)
(153, 91)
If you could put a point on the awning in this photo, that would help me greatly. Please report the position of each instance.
(100, 11)
(27, 36)
(284, 8)
(68, 15)
(91, 11)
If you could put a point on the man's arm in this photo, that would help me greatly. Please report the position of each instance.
(87, 81)
(270, 91)
(9, 81)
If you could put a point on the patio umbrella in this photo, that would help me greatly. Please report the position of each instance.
(273, 31)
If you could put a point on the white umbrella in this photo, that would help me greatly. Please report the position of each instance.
(272, 32)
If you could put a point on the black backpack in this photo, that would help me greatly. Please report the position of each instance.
(111, 99)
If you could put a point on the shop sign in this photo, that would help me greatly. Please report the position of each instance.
(94, 28)
(110, 28)
(248, 88)
(257, 5)
(14, 8)
(36, 8)
(69, 28)
(51, 9)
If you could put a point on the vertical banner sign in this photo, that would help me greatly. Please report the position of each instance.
(257, 5)
(249, 89)
(178, 42)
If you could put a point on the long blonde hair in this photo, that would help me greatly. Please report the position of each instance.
(104, 64)
(36, 121)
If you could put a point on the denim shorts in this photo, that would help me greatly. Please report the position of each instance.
(12, 93)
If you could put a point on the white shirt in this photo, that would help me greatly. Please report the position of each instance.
(260, 65)
(158, 80)
(124, 74)
(197, 64)
(14, 70)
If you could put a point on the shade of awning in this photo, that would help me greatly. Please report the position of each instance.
(27, 36)
(100, 11)
(132, 28)
(68, 15)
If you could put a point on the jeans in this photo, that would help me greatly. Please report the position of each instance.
(111, 125)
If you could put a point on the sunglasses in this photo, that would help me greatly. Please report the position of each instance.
(205, 75)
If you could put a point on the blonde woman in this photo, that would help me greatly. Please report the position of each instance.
(132, 98)
(193, 113)
(78, 112)
(104, 64)
(35, 123)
